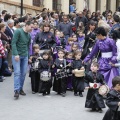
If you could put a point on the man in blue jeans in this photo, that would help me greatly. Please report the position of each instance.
(20, 52)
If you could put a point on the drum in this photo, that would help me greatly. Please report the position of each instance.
(60, 74)
(103, 90)
(94, 85)
(35, 65)
(79, 73)
(41, 51)
(45, 76)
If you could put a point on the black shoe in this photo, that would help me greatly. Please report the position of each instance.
(44, 94)
(22, 93)
(1, 80)
(75, 94)
(63, 94)
(33, 92)
(80, 94)
(99, 110)
(48, 93)
(16, 94)
(93, 109)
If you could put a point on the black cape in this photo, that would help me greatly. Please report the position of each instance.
(112, 100)
(94, 99)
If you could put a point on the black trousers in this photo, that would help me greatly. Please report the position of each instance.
(35, 78)
(62, 85)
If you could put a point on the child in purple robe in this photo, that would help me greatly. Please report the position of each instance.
(34, 32)
(68, 46)
(60, 43)
(81, 39)
(69, 59)
(75, 47)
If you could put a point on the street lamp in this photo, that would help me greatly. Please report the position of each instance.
(21, 7)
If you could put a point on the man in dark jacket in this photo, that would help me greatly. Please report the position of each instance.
(65, 27)
(81, 18)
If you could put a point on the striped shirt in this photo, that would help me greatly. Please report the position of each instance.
(2, 52)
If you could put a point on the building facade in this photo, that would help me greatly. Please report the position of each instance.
(35, 6)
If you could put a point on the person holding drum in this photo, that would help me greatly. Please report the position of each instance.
(45, 39)
(113, 101)
(34, 74)
(93, 80)
(78, 74)
(107, 50)
(45, 69)
(60, 82)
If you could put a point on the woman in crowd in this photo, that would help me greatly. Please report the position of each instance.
(89, 39)
(45, 39)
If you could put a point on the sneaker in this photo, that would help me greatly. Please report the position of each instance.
(16, 95)
(22, 93)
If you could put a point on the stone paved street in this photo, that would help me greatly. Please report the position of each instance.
(37, 107)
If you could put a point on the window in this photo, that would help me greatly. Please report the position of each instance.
(117, 3)
(36, 3)
(108, 4)
(57, 5)
(98, 4)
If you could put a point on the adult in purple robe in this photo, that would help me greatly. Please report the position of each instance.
(108, 50)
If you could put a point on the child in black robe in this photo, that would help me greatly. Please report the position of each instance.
(60, 82)
(45, 64)
(94, 100)
(78, 82)
(113, 101)
(34, 74)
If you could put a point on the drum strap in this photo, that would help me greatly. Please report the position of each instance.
(65, 64)
(49, 67)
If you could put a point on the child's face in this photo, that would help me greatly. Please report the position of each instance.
(70, 56)
(36, 50)
(70, 42)
(61, 54)
(51, 30)
(58, 34)
(94, 68)
(75, 38)
(61, 34)
(80, 34)
(74, 48)
(78, 56)
(45, 56)
(118, 87)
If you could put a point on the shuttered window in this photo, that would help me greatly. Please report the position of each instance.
(36, 3)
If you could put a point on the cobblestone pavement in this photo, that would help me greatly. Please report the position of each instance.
(37, 107)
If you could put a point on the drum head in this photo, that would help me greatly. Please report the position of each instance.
(103, 90)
